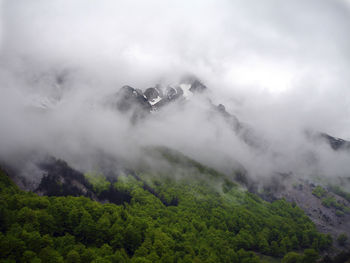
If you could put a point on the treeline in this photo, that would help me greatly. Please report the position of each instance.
(206, 224)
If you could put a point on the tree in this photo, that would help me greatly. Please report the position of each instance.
(342, 239)
(120, 256)
(263, 245)
(132, 239)
(294, 242)
(46, 222)
(310, 256)
(103, 228)
(101, 260)
(86, 230)
(232, 256)
(28, 256)
(140, 260)
(33, 241)
(275, 249)
(305, 240)
(49, 255)
(88, 255)
(12, 246)
(65, 244)
(292, 257)
(73, 257)
(105, 250)
(73, 219)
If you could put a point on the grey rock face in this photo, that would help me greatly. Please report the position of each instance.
(336, 143)
(197, 86)
(128, 98)
(151, 94)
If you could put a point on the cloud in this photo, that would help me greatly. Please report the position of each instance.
(282, 68)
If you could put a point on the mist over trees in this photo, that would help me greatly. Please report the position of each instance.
(174, 131)
(203, 226)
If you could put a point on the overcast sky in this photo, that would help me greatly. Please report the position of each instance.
(294, 55)
(280, 66)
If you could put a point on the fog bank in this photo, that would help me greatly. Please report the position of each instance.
(282, 69)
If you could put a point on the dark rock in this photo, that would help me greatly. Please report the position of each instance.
(221, 108)
(115, 196)
(127, 98)
(131, 100)
(197, 87)
(151, 93)
(61, 180)
(335, 143)
(171, 93)
(230, 118)
(179, 91)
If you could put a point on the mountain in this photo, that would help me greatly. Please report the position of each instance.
(168, 206)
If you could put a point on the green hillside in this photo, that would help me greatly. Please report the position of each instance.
(185, 213)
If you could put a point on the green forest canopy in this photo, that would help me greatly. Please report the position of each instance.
(206, 224)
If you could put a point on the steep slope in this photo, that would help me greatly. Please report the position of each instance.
(325, 206)
(185, 212)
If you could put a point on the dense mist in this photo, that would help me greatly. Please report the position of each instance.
(281, 68)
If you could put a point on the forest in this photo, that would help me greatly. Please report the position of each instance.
(172, 219)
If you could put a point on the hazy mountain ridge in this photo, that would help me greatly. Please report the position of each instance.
(57, 178)
(177, 131)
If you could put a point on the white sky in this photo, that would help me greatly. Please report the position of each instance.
(254, 50)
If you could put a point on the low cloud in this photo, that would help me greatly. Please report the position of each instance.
(282, 69)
